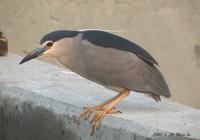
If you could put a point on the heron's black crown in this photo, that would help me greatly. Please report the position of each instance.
(102, 39)
(57, 35)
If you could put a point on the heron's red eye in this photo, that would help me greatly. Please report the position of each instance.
(49, 44)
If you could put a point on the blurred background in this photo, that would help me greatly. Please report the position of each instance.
(168, 29)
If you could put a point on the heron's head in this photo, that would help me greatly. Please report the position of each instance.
(52, 44)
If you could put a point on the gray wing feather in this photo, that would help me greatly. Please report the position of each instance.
(111, 67)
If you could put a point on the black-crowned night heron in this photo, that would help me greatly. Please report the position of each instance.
(3, 45)
(107, 59)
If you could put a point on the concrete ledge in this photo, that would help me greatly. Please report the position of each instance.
(39, 101)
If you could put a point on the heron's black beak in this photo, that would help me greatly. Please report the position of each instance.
(35, 53)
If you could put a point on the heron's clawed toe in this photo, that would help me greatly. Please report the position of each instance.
(87, 113)
(96, 121)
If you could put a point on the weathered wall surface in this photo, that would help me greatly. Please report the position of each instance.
(168, 29)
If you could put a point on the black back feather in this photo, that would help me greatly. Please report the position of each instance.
(103, 39)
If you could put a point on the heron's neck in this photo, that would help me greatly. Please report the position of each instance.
(71, 55)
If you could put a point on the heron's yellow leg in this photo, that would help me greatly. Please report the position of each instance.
(88, 110)
(101, 114)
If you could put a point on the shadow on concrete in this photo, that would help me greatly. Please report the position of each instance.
(31, 123)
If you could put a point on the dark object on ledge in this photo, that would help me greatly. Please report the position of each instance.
(3, 45)
(107, 59)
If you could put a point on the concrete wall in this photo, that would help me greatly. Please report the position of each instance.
(168, 29)
(39, 101)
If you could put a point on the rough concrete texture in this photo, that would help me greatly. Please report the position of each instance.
(38, 101)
